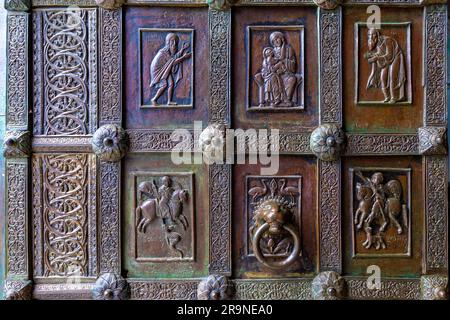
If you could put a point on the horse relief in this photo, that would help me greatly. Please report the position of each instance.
(380, 207)
(163, 203)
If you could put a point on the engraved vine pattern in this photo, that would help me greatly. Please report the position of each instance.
(65, 214)
(385, 144)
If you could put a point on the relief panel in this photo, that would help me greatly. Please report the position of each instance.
(64, 215)
(163, 215)
(382, 71)
(165, 220)
(274, 219)
(275, 64)
(279, 80)
(65, 71)
(166, 67)
(383, 64)
(165, 53)
(383, 215)
(381, 206)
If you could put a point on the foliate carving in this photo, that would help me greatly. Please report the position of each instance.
(328, 285)
(432, 140)
(65, 214)
(435, 65)
(17, 75)
(434, 287)
(383, 211)
(327, 142)
(17, 144)
(110, 4)
(17, 5)
(220, 46)
(163, 203)
(212, 143)
(109, 253)
(298, 289)
(392, 144)
(330, 64)
(164, 290)
(327, 4)
(69, 65)
(220, 218)
(330, 216)
(277, 76)
(275, 217)
(63, 291)
(110, 143)
(391, 289)
(18, 289)
(110, 286)
(214, 287)
(436, 207)
(110, 65)
(16, 219)
(294, 143)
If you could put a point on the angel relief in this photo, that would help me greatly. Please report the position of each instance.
(380, 207)
(163, 204)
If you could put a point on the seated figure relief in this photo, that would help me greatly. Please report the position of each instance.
(277, 79)
(388, 72)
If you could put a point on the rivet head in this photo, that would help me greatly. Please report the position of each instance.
(108, 294)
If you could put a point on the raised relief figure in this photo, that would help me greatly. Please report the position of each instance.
(277, 79)
(380, 206)
(166, 68)
(388, 66)
(164, 203)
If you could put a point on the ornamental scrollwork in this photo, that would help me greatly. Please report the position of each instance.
(17, 144)
(110, 143)
(327, 142)
(18, 289)
(328, 285)
(110, 286)
(214, 287)
(432, 140)
(17, 5)
(110, 4)
(327, 4)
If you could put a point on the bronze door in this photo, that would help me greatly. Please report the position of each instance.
(226, 150)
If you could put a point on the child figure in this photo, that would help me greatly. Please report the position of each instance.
(273, 84)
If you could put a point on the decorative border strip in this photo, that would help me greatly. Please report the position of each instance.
(388, 2)
(274, 289)
(61, 144)
(16, 218)
(63, 291)
(386, 144)
(274, 2)
(391, 289)
(164, 289)
(220, 234)
(330, 239)
(436, 212)
(110, 66)
(109, 222)
(169, 2)
(148, 140)
(56, 3)
(435, 36)
(219, 74)
(330, 70)
(17, 72)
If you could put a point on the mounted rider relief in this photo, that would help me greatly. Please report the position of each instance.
(275, 64)
(383, 64)
(163, 215)
(166, 65)
(381, 207)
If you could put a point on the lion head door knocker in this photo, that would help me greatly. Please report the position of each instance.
(274, 235)
(165, 204)
(380, 207)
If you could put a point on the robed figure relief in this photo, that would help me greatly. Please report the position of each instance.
(166, 69)
(388, 72)
(278, 79)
